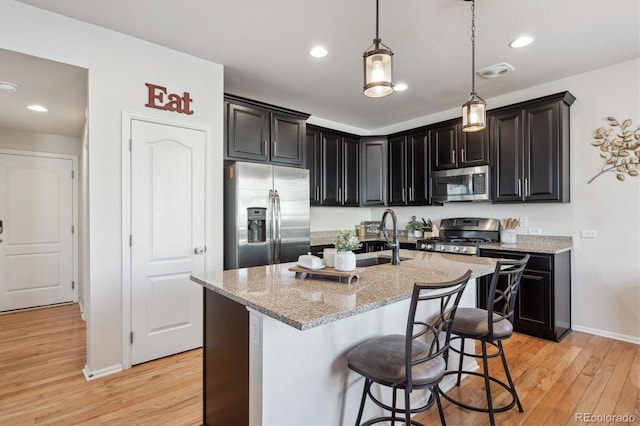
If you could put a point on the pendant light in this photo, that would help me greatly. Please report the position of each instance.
(378, 66)
(474, 115)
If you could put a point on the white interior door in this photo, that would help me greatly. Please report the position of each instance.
(36, 243)
(168, 237)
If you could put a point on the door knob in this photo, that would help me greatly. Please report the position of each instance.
(198, 250)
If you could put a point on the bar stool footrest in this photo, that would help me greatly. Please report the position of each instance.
(506, 387)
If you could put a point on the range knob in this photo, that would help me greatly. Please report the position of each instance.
(429, 246)
(464, 249)
(423, 246)
(443, 248)
(456, 249)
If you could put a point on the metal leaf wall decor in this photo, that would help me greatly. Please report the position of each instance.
(619, 149)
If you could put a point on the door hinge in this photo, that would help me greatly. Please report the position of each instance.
(130, 240)
(73, 174)
(131, 338)
(130, 144)
(73, 229)
(73, 285)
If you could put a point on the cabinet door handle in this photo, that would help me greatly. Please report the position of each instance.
(453, 155)
(317, 193)
(462, 156)
(339, 195)
(411, 194)
(527, 187)
(266, 146)
(275, 148)
(519, 187)
(403, 195)
(345, 194)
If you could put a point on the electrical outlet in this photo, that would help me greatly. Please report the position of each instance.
(587, 233)
(524, 221)
(535, 231)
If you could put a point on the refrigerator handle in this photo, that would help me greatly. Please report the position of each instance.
(277, 229)
(272, 221)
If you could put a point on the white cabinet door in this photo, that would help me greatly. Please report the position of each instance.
(36, 248)
(168, 237)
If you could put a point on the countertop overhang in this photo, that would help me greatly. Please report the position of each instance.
(304, 303)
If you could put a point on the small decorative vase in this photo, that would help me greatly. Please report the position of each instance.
(345, 261)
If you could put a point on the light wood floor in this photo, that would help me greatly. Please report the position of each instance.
(42, 353)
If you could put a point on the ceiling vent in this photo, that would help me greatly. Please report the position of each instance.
(496, 70)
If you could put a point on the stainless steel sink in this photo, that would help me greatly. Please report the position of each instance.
(373, 261)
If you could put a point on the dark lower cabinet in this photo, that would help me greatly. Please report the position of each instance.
(543, 303)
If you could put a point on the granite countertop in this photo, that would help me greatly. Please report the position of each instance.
(306, 303)
(535, 244)
(548, 244)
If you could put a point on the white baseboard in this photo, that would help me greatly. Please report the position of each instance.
(92, 375)
(610, 335)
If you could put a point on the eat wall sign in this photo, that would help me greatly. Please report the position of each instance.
(159, 98)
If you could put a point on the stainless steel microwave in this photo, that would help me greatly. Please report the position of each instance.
(464, 184)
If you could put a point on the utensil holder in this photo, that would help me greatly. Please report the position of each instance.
(508, 236)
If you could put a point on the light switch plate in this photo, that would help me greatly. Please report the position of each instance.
(588, 233)
(535, 231)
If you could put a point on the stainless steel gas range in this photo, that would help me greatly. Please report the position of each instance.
(462, 236)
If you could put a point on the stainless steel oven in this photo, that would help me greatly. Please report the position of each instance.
(464, 184)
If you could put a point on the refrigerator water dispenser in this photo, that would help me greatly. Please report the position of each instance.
(256, 224)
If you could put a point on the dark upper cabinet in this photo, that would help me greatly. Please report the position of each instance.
(333, 161)
(409, 169)
(373, 171)
(265, 133)
(313, 163)
(452, 148)
(530, 150)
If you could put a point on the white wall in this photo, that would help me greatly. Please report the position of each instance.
(119, 66)
(606, 270)
(21, 140)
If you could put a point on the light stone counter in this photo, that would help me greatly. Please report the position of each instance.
(535, 244)
(311, 302)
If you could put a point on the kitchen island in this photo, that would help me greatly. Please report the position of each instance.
(275, 345)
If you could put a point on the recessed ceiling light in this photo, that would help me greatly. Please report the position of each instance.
(318, 52)
(400, 87)
(37, 108)
(521, 42)
(8, 87)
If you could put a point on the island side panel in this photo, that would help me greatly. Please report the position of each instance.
(226, 361)
(301, 377)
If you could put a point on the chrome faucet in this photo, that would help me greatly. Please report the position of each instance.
(395, 245)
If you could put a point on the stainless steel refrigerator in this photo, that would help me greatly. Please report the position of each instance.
(266, 214)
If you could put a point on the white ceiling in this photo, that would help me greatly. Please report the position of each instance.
(263, 46)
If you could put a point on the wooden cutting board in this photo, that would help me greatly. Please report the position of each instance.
(327, 273)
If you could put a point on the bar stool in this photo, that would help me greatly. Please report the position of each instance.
(415, 360)
(490, 326)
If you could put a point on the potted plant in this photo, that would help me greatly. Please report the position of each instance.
(414, 228)
(345, 258)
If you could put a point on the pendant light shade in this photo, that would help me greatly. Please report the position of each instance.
(474, 114)
(378, 66)
(474, 117)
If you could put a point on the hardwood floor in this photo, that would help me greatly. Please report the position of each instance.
(42, 353)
